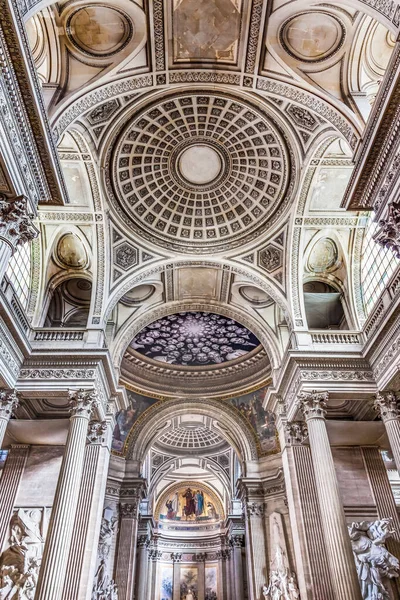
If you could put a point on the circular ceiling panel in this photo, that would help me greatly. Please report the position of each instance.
(312, 36)
(190, 437)
(198, 170)
(194, 339)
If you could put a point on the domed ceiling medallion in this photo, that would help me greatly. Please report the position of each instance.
(198, 171)
(194, 340)
(312, 36)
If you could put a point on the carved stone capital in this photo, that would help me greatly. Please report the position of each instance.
(296, 433)
(389, 234)
(313, 404)
(15, 222)
(128, 510)
(9, 402)
(176, 557)
(202, 557)
(236, 541)
(387, 405)
(254, 509)
(82, 403)
(155, 555)
(96, 432)
(142, 541)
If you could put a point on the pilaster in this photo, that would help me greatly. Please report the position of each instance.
(9, 401)
(9, 483)
(387, 405)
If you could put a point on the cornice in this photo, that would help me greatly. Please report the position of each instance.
(19, 77)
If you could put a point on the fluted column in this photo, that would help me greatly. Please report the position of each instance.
(237, 544)
(312, 567)
(8, 403)
(15, 228)
(201, 575)
(176, 559)
(83, 553)
(127, 545)
(9, 483)
(337, 540)
(58, 542)
(255, 547)
(387, 405)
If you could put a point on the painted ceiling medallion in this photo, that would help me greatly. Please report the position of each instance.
(194, 339)
(200, 168)
(99, 30)
(312, 36)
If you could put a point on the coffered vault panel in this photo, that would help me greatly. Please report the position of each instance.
(198, 171)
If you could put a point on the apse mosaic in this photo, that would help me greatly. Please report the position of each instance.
(189, 502)
(262, 421)
(125, 419)
(194, 339)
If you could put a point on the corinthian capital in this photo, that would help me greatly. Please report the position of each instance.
(387, 405)
(9, 401)
(389, 233)
(96, 432)
(82, 403)
(15, 222)
(296, 432)
(313, 404)
(254, 509)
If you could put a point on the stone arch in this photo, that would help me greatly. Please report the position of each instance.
(231, 424)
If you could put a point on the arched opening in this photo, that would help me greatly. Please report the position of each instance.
(323, 306)
(70, 303)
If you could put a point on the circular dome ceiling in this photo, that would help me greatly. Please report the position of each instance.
(199, 170)
(194, 339)
(190, 437)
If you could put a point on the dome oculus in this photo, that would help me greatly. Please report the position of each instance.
(194, 339)
(198, 168)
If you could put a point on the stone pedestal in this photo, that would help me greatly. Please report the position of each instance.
(9, 483)
(15, 228)
(337, 540)
(83, 554)
(312, 568)
(8, 403)
(58, 542)
(387, 405)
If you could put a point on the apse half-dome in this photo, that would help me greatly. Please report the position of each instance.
(195, 339)
(195, 352)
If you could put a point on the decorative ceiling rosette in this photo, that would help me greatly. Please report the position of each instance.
(199, 171)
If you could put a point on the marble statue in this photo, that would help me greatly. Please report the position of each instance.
(104, 587)
(20, 562)
(375, 564)
(282, 582)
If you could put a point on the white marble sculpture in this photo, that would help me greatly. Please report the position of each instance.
(282, 582)
(20, 562)
(104, 587)
(375, 564)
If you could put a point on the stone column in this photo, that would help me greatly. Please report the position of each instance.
(176, 559)
(154, 557)
(201, 558)
(8, 403)
(337, 540)
(226, 557)
(58, 542)
(312, 567)
(236, 542)
(9, 483)
(15, 228)
(256, 547)
(387, 405)
(84, 545)
(221, 577)
(127, 545)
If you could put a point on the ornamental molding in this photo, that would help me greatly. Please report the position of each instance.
(296, 433)
(27, 115)
(57, 373)
(129, 510)
(97, 432)
(254, 510)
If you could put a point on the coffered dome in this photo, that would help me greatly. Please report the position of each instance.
(198, 170)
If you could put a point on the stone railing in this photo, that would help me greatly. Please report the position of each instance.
(327, 337)
(61, 337)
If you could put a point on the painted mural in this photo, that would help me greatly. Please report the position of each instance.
(125, 419)
(189, 503)
(211, 591)
(166, 582)
(261, 420)
(189, 583)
